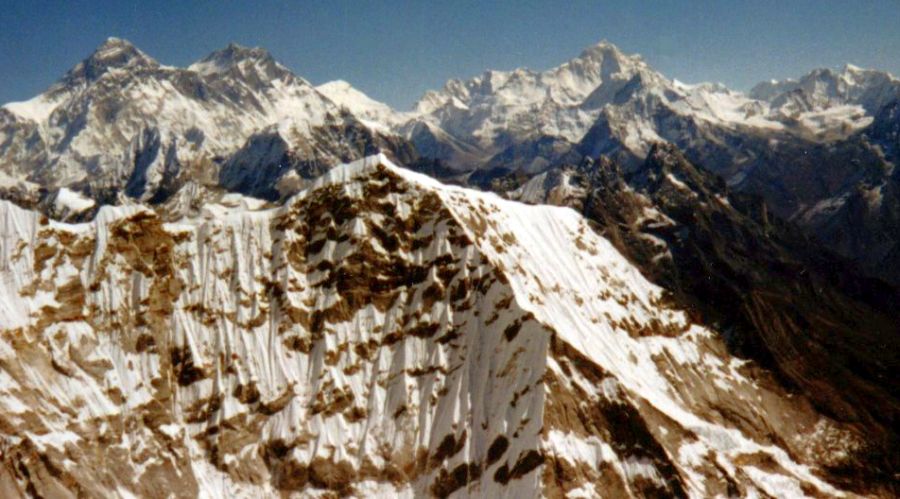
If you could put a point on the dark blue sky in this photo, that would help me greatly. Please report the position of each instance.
(396, 50)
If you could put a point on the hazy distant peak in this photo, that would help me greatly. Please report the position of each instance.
(114, 53)
(347, 96)
(826, 87)
(601, 50)
(238, 58)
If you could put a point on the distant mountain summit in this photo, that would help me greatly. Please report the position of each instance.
(824, 88)
(119, 122)
(376, 114)
(114, 54)
(241, 62)
(499, 109)
(609, 102)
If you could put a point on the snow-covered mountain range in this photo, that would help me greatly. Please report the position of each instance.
(224, 281)
(120, 121)
(469, 122)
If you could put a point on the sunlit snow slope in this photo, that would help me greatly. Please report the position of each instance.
(378, 334)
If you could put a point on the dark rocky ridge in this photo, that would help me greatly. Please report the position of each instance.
(777, 295)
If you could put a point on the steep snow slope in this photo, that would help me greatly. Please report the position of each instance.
(379, 334)
(728, 260)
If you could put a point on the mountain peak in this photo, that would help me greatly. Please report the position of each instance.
(235, 56)
(604, 59)
(234, 52)
(346, 95)
(113, 42)
(609, 55)
(337, 85)
(118, 52)
(114, 53)
(826, 87)
(602, 48)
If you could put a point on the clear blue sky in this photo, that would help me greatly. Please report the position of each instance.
(395, 50)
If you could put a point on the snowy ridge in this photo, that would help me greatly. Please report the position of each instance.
(825, 88)
(379, 334)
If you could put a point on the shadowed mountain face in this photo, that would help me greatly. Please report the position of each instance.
(776, 295)
(845, 193)
(862, 220)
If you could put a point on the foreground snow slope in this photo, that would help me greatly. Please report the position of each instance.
(379, 334)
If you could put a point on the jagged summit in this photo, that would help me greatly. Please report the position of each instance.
(502, 109)
(234, 52)
(606, 50)
(237, 57)
(114, 53)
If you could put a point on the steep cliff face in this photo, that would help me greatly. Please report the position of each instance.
(379, 334)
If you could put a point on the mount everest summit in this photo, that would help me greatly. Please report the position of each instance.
(224, 281)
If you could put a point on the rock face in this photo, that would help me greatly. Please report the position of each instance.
(861, 219)
(378, 334)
